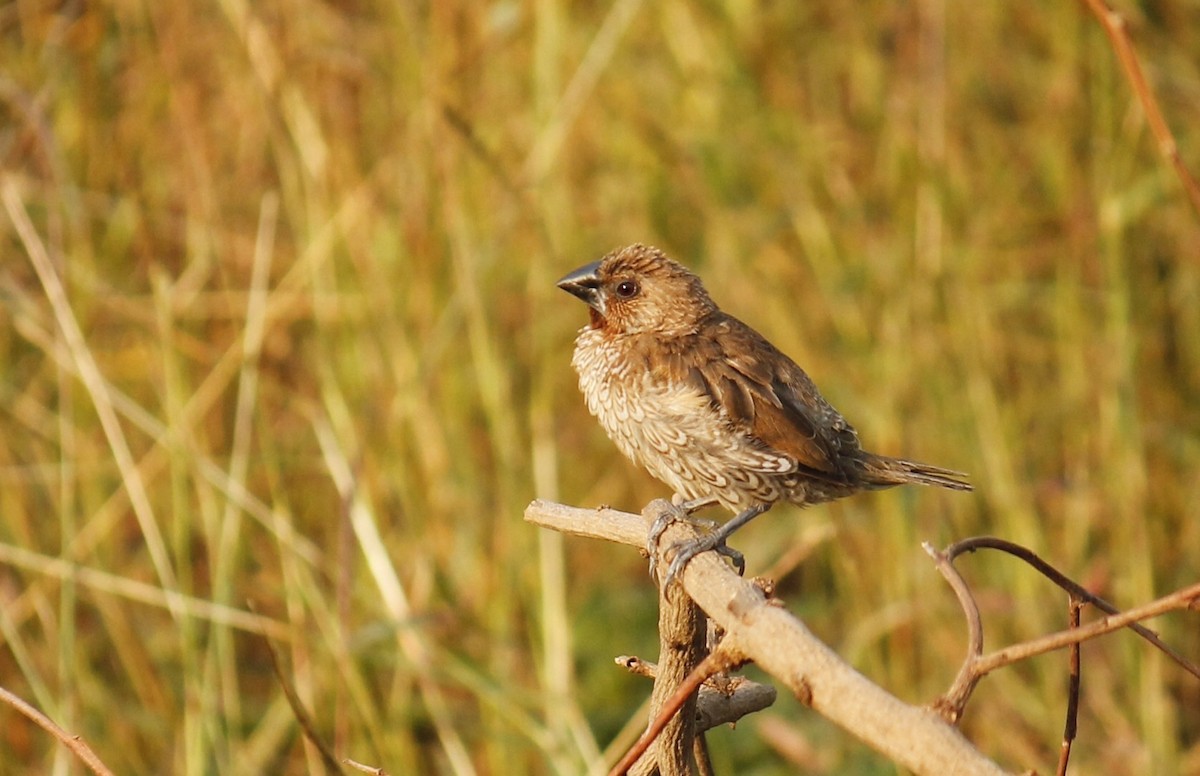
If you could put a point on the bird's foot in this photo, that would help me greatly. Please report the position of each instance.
(681, 511)
(682, 552)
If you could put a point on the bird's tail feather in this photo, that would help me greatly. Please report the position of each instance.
(884, 472)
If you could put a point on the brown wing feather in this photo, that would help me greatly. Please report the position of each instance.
(762, 390)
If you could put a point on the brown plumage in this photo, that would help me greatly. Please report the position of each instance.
(709, 406)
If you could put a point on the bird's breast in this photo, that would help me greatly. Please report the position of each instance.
(673, 429)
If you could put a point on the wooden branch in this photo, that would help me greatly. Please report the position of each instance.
(715, 705)
(681, 636)
(664, 712)
(951, 704)
(913, 737)
(715, 708)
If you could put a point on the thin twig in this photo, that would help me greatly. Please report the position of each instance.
(1074, 607)
(1072, 588)
(1184, 598)
(704, 765)
(977, 665)
(300, 713)
(713, 664)
(950, 705)
(76, 744)
(1114, 25)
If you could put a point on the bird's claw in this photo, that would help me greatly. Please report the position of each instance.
(681, 511)
(683, 552)
(661, 523)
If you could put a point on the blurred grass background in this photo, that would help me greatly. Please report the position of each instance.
(308, 357)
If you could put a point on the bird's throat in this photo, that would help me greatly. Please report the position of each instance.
(596, 319)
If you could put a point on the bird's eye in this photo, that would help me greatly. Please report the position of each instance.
(628, 289)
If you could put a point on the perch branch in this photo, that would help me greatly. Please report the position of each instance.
(782, 646)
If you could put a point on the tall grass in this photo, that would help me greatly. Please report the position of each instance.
(309, 252)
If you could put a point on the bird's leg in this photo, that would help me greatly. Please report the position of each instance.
(695, 504)
(685, 551)
(682, 512)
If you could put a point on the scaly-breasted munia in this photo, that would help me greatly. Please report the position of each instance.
(708, 406)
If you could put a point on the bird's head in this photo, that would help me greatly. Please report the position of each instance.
(637, 289)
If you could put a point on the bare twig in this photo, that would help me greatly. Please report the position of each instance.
(717, 703)
(711, 665)
(1072, 588)
(977, 665)
(780, 644)
(76, 744)
(742, 697)
(636, 666)
(1074, 608)
(300, 713)
(1184, 598)
(951, 704)
(365, 768)
(703, 761)
(1118, 34)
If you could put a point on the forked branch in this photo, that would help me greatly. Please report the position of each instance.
(977, 665)
(782, 646)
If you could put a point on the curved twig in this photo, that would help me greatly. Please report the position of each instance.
(76, 744)
(1118, 34)
(950, 705)
(1072, 588)
(977, 665)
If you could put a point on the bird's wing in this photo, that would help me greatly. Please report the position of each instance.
(763, 391)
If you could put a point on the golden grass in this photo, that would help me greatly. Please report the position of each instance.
(308, 354)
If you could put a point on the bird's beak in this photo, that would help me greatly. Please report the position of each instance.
(585, 284)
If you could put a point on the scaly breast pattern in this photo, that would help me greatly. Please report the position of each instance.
(676, 432)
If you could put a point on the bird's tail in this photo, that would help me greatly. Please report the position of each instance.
(884, 472)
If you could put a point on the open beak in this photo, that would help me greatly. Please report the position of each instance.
(585, 284)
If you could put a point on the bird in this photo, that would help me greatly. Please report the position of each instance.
(710, 407)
